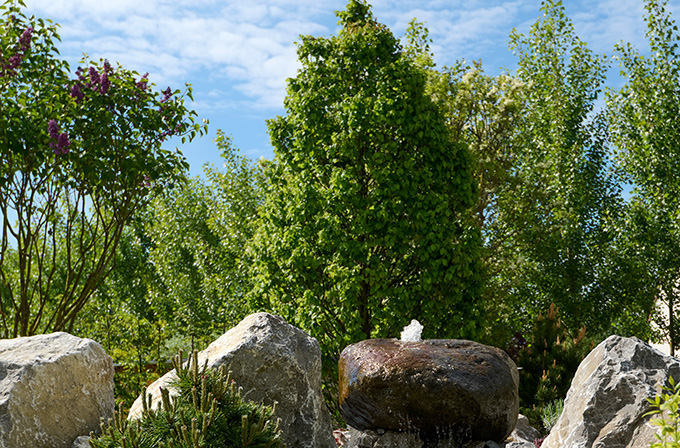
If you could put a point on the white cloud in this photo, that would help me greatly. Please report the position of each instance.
(250, 45)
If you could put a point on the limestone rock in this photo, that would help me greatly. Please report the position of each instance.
(53, 388)
(608, 396)
(454, 387)
(273, 362)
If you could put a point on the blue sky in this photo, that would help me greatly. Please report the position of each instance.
(237, 54)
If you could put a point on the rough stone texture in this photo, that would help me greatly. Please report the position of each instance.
(524, 432)
(382, 439)
(608, 396)
(273, 362)
(53, 388)
(81, 442)
(453, 386)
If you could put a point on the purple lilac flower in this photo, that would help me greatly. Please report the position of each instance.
(94, 76)
(80, 74)
(53, 129)
(105, 83)
(14, 62)
(62, 144)
(25, 39)
(142, 83)
(77, 93)
(167, 93)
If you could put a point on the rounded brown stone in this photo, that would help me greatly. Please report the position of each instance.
(439, 386)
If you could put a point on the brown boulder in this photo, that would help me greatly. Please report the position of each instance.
(436, 387)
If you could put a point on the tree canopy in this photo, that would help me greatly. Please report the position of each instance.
(363, 227)
(78, 157)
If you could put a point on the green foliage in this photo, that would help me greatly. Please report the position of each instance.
(207, 411)
(643, 118)
(551, 413)
(666, 406)
(363, 226)
(548, 364)
(181, 271)
(78, 158)
(552, 237)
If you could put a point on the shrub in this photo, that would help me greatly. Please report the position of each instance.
(550, 414)
(208, 411)
(548, 364)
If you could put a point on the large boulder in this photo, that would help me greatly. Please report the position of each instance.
(53, 388)
(273, 362)
(607, 401)
(440, 388)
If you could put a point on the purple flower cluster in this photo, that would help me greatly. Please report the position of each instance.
(167, 93)
(93, 80)
(9, 68)
(60, 141)
(142, 84)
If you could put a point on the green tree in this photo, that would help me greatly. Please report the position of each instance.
(78, 157)
(552, 225)
(646, 131)
(363, 226)
(199, 233)
(486, 112)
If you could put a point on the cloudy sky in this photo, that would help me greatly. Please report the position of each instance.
(237, 54)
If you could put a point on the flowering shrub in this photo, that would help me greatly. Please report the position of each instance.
(79, 156)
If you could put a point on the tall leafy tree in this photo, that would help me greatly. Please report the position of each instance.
(199, 234)
(363, 226)
(553, 224)
(486, 112)
(645, 128)
(78, 157)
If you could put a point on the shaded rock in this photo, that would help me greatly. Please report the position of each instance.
(383, 439)
(53, 388)
(81, 442)
(273, 362)
(524, 432)
(456, 387)
(606, 403)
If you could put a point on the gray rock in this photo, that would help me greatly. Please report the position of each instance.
(53, 388)
(81, 442)
(524, 432)
(273, 362)
(383, 439)
(449, 388)
(606, 403)
(520, 445)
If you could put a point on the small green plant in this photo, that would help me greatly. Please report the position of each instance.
(206, 412)
(666, 407)
(550, 413)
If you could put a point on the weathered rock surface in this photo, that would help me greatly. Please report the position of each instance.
(53, 388)
(383, 439)
(273, 362)
(524, 432)
(81, 442)
(434, 386)
(606, 403)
